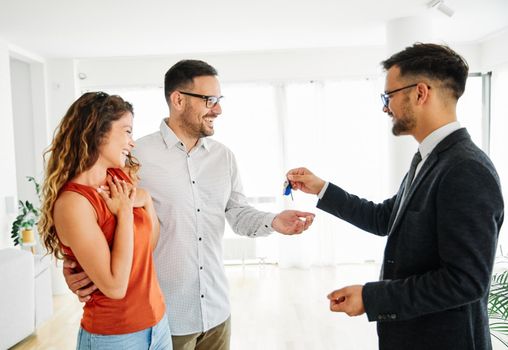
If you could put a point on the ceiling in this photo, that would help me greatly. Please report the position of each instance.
(112, 28)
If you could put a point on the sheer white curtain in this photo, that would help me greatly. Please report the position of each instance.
(338, 131)
(250, 128)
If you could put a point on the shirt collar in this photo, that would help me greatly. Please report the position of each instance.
(171, 140)
(431, 141)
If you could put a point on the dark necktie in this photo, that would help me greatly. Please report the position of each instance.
(411, 174)
(417, 158)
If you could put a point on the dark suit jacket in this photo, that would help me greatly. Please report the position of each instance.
(439, 253)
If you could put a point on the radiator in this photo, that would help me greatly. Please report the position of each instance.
(239, 249)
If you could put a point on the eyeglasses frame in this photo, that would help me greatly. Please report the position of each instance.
(385, 97)
(206, 98)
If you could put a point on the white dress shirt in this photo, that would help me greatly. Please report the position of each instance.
(432, 140)
(193, 193)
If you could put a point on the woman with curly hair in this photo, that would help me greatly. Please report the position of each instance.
(93, 213)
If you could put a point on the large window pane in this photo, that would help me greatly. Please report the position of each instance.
(149, 108)
(498, 131)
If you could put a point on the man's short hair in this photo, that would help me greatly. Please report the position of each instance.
(182, 74)
(436, 62)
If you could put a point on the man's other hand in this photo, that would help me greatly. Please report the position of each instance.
(78, 282)
(348, 300)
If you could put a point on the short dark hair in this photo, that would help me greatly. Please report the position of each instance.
(182, 74)
(437, 62)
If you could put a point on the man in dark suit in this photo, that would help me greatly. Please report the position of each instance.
(442, 227)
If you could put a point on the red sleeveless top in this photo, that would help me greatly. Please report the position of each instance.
(143, 305)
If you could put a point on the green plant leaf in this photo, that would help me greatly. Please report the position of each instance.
(498, 307)
(28, 215)
(36, 184)
(498, 297)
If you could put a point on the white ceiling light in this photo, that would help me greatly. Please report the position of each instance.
(441, 6)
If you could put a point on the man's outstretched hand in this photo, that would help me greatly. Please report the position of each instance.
(291, 222)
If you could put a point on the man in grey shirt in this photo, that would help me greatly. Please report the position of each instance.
(195, 186)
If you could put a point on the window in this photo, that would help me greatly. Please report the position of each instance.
(149, 108)
(498, 132)
(335, 128)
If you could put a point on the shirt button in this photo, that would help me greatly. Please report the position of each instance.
(193, 181)
(199, 210)
(200, 238)
(202, 296)
(201, 267)
(266, 226)
(181, 143)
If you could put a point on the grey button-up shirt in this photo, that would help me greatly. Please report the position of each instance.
(194, 192)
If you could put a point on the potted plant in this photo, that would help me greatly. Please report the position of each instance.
(498, 307)
(22, 231)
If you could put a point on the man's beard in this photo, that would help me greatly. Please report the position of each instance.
(205, 132)
(407, 122)
(196, 130)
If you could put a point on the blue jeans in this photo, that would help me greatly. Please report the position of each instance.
(157, 337)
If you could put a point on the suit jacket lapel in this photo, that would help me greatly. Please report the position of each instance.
(456, 136)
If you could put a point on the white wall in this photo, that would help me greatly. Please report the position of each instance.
(23, 123)
(234, 67)
(24, 126)
(62, 90)
(283, 65)
(8, 173)
(494, 50)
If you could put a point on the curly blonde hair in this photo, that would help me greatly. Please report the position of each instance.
(75, 149)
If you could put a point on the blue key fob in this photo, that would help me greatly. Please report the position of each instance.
(287, 189)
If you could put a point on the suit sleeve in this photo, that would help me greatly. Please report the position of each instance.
(469, 214)
(364, 214)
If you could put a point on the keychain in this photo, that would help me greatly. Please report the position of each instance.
(286, 191)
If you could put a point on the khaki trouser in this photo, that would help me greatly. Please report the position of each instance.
(216, 338)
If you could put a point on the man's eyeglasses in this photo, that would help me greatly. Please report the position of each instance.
(385, 97)
(210, 101)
